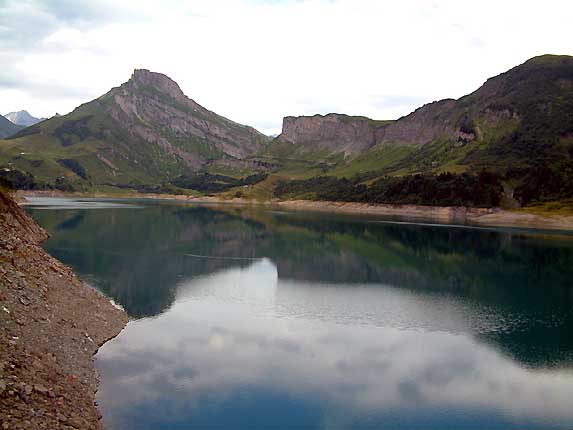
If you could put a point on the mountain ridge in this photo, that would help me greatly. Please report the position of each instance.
(148, 135)
(502, 109)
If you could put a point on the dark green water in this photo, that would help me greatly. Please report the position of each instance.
(260, 319)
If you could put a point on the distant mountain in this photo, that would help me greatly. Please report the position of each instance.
(23, 118)
(141, 133)
(8, 128)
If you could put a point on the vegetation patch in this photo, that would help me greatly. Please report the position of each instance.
(447, 189)
(211, 183)
(72, 131)
(74, 166)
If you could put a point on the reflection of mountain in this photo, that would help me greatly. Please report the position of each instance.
(139, 257)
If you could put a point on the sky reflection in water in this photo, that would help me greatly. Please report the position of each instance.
(342, 324)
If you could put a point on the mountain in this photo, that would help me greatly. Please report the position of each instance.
(521, 117)
(23, 118)
(8, 128)
(147, 135)
(518, 127)
(144, 132)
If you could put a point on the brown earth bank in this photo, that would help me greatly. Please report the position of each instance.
(492, 217)
(51, 325)
(443, 214)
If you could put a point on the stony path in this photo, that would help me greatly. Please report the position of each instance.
(51, 324)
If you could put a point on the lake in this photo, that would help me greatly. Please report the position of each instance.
(253, 318)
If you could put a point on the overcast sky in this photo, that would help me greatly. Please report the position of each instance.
(257, 61)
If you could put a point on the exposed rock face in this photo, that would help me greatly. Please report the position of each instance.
(51, 324)
(334, 132)
(422, 126)
(354, 135)
(23, 118)
(153, 108)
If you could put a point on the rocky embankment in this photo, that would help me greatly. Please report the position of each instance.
(51, 325)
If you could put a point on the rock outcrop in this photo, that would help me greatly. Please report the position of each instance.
(422, 126)
(353, 135)
(51, 324)
(333, 132)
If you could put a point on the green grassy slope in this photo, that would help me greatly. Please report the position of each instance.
(88, 135)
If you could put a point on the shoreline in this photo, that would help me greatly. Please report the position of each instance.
(51, 326)
(479, 217)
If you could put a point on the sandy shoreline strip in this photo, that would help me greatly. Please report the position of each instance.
(487, 217)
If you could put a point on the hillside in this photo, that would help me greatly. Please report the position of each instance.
(143, 133)
(8, 128)
(518, 126)
(23, 118)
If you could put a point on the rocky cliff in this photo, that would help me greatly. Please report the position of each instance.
(51, 324)
(353, 135)
(334, 132)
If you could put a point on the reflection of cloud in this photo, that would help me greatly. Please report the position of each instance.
(234, 332)
(52, 203)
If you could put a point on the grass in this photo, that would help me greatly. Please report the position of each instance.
(261, 192)
(380, 157)
(559, 207)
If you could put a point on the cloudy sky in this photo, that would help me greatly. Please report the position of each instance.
(257, 61)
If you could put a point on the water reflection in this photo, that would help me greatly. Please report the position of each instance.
(266, 319)
(240, 349)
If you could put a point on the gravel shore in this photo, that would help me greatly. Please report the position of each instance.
(51, 325)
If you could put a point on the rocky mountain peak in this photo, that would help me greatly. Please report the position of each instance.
(158, 81)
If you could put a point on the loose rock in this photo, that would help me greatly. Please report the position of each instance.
(50, 327)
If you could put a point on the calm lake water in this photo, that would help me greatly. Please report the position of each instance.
(260, 319)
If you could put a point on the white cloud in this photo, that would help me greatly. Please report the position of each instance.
(356, 352)
(256, 62)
